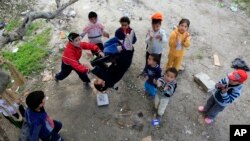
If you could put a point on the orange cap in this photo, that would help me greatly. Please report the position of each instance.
(157, 16)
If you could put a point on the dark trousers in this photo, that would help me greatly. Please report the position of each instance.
(54, 136)
(158, 62)
(212, 108)
(101, 47)
(66, 70)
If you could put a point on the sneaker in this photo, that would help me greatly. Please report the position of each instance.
(208, 120)
(201, 109)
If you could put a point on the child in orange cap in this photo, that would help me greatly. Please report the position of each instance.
(226, 91)
(179, 40)
(156, 37)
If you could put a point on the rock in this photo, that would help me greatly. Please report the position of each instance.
(188, 132)
(14, 50)
(72, 13)
(102, 99)
(47, 76)
(204, 81)
(148, 138)
(204, 133)
(25, 12)
(140, 18)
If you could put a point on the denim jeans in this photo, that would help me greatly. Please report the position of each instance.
(212, 108)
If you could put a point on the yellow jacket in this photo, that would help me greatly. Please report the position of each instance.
(178, 48)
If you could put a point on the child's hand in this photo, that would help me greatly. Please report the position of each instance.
(185, 38)
(89, 54)
(18, 101)
(105, 34)
(88, 65)
(155, 81)
(224, 90)
(158, 37)
(150, 35)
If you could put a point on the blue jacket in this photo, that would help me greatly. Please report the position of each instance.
(39, 126)
(110, 46)
(121, 35)
(227, 98)
(152, 73)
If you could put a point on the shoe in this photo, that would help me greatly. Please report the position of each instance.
(87, 85)
(201, 109)
(208, 120)
(57, 81)
(158, 117)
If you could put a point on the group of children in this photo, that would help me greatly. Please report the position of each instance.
(160, 87)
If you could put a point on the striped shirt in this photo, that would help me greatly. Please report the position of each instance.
(228, 97)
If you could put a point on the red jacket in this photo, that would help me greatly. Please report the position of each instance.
(72, 54)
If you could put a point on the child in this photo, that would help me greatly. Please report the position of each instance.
(71, 56)
(41, 125)
(156, 38)
(226, 91)
(126, 34)
(152, 71)
(95, 30)
(179, 40)
(166, 88)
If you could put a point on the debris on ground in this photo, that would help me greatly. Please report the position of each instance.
(234, 7)
(204, 81)
(148, 138)
(47, 76)
(102, 99)
(216, 60)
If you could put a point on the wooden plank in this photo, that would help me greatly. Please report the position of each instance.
(216, 60)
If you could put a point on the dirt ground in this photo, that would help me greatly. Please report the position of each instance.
(213, 29)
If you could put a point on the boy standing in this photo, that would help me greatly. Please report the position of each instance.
(152, 71)
(71, 55)
(166, 88)
(40, 124)
(227, 90)
(156, 38)
(126, 34)
(95, 30)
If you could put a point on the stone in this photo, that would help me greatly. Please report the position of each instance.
(102, 99)
(72, 13)
(204, 81)
(148, 138)
(47, 76)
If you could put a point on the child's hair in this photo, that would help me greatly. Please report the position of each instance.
(34, 99)
(173, 70)
(155, 57)
(92, 14)
(156, 21)
(184, 21)
(72, 36)
(125, 20)
(99, 87)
